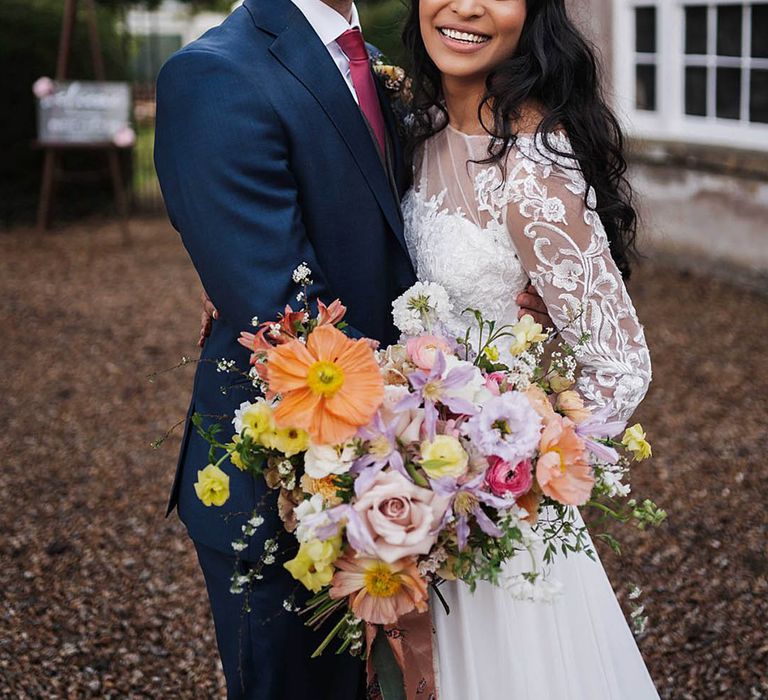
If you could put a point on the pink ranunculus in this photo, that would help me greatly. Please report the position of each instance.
(494, 381)
(503, 478)
(422, 350)
(42, 87)
(402, 518)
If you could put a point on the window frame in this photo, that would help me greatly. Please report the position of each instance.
(669, 120)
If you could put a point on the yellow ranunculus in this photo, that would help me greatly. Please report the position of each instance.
(257, 419)
(492, 353)
(234, 455)
(634, 440)
(289, 441)
(558, 383)
(444, 456)
(313, 565)
(212, 486)
(526, 332)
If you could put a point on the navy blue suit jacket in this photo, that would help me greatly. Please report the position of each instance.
(265, 161)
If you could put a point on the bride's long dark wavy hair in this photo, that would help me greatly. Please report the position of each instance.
(554, 68)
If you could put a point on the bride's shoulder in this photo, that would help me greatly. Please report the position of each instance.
(541, 142)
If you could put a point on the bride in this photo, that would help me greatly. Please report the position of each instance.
(518, 174)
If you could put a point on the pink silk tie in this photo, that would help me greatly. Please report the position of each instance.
(352, 44)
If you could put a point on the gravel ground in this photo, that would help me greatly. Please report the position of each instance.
(101, 596)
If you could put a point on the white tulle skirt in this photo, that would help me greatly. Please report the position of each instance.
(579, 647)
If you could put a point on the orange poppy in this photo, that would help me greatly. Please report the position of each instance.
(330, 386)
(563, 470)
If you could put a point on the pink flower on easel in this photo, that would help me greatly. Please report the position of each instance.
(124, 137)
(42, 87)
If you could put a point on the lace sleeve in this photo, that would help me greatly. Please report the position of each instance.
(563, 246)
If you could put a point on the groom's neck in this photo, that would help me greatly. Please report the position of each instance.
(343, 7)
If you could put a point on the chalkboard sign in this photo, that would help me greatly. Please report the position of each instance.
(83, 112)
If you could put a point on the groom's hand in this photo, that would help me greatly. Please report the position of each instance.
(531, 303)
(206, 319)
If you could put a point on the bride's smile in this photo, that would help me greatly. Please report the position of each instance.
(468, 38)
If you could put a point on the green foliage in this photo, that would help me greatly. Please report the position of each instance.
(382, 22)
(29, 39)
(197, 5)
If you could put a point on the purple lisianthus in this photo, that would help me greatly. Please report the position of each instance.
(328, 522)
(383, 451)
(596, 426)
(507, 427)
(465, 501)
(433, 388)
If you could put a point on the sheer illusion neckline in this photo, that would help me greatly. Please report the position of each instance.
(485, 135)
(525, 135)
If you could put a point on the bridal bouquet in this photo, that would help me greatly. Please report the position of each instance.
(435, 458)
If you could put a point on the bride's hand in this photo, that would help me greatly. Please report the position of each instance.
(206, 318)
(531, 303)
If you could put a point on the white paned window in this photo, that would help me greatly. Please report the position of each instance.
(645, 57)
(688, 70)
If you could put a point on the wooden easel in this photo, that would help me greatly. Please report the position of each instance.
(53, 150)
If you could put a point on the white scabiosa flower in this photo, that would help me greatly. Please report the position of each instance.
(420, 308)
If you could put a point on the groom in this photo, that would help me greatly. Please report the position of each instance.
(275, 145)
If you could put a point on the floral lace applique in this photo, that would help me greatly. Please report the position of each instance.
(532, 224)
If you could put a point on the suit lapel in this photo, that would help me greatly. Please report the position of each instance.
(298, 48)
(396, 148)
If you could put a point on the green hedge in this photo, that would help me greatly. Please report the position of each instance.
(29, 38)
(382, 24)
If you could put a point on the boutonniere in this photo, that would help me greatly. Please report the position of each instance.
(393, 77)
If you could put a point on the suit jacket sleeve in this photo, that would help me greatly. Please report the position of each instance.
(222, 160)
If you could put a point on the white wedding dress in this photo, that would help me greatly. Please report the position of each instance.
(482, 236)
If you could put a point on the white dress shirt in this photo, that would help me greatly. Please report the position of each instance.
(329, 25)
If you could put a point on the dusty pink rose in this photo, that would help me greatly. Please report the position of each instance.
(408, 423)
(42, 87)
(503, 478)
(401, 517)
(423, 349)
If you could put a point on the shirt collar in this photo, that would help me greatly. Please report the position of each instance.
(327, 23)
